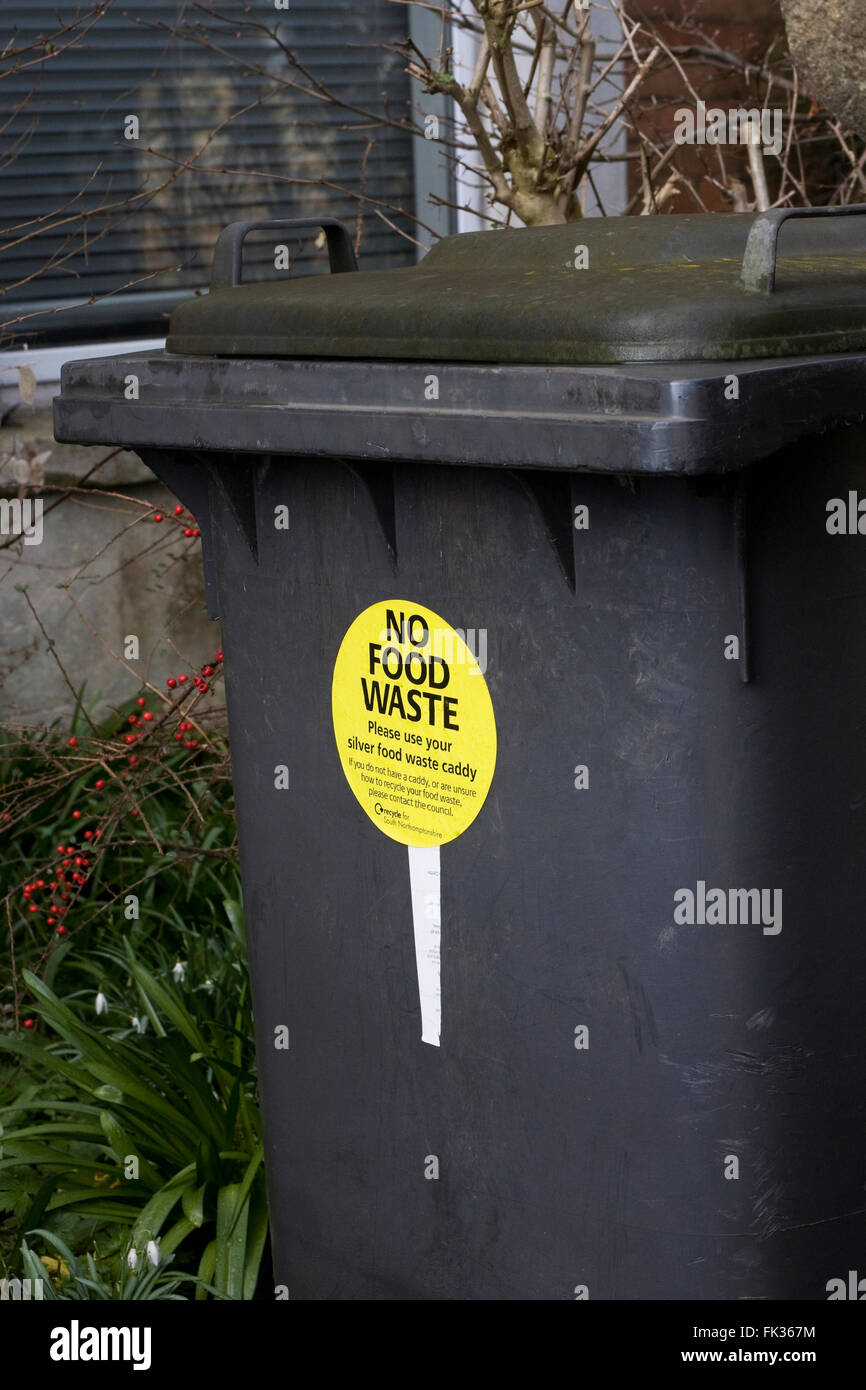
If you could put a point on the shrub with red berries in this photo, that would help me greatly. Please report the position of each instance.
(180, 515)
(82, 805)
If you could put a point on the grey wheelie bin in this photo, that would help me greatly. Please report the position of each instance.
(541, 570)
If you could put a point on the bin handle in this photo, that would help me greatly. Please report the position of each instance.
(758, 274)
(228, 252)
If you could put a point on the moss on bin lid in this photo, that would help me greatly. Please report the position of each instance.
(604, 290)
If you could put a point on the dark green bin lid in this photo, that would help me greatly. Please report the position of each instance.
(705, 287)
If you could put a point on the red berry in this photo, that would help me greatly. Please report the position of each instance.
(61, 931)
(133, 759)
(196, 532)
(157, 516)
(130, 738)
(148, 716)
(40, 883)
(73, 743)
(100, 784)
(33, 907)
(220, 654)
(70, 849)
(97, 833)
(29, 1023)
(188, 531)
(141, 700)
(171, 682)
(178, 511)
(76, 815)
(50, 921)
(182, 680)
(133, 812)
(88, 834)
(207, 670)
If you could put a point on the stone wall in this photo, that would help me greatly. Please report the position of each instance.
(104, 571)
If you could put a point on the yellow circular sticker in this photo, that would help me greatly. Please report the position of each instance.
(413, 722)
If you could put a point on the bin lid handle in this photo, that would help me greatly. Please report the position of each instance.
(228, 252)
(758, 274)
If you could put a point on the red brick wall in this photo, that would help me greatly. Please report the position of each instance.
(747, 28)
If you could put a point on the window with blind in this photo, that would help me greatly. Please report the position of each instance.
(154, 123)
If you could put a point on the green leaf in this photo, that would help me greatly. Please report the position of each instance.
(231, 1240)
(59, 1245)
(83, 1133)
(33, 1268)
(122, 1147)
(254, 1167)
(89, 1203)
(235, 914)
(151, 1219)
(193, 1204)
(256, 1237)
(206, 1267)
(109, 1092)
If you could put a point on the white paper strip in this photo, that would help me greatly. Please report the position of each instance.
(424, 882)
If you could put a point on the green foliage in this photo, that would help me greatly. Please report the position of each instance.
(153, 820)
(135, 1127)
(90, 1281)
(157, 1132)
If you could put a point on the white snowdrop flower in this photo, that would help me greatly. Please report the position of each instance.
(136, 1023)
(153, 1252)
(178, 971)
(132, 1258)
(101, 1003)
